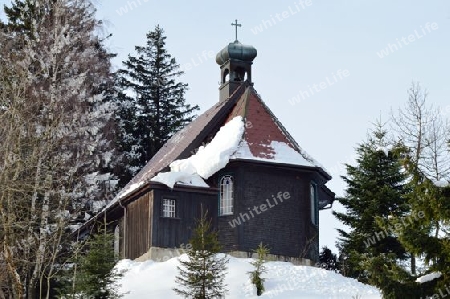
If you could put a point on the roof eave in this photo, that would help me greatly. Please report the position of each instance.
(287, 165)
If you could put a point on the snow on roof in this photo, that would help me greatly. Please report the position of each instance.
(282, 153)
(428, 277)
(171, 178)
(127, 190)
(208, 160)
(224, 146)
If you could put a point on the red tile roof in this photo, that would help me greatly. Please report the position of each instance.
(261, 127)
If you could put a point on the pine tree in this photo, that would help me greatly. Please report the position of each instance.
(328, 260)
(21, 15)
(90, 273)
(375, 192)
(427, 236)
(202, 275)
(255, 275)
(425, 134)
(95, 277)
(151, 103)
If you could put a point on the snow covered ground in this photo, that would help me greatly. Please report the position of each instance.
(283, 281)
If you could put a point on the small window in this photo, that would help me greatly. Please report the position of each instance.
(226, 76)
(168, 208)
(314, 204)
(226, 195)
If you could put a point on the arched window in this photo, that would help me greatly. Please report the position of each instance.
(240, 74)
(226, 195)
(226, 76)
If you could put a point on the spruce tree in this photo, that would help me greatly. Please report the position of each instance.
(328, 260)
(202, 275)
(96, 278)
(90, 273)
(255, 275)
(375, 192)
(20, 15)
(151, 103)
(425, 132)
(427, 236)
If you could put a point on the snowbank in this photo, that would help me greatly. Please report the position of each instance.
(283, 281)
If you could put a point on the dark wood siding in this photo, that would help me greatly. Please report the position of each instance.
(150, 221)
(137, 227)
(172, 232)
(285, 227)
(121, 239)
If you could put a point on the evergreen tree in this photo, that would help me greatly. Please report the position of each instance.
(96, 278)
(328, 260)
(65, 283)
(425, 134)
(375, 192)
(151, 103)
(25, 16)
(20, 15)
(255, 275)
(427, 236)
(202, 275)
(91, 273)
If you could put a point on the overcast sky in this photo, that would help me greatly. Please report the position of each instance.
(327, 69)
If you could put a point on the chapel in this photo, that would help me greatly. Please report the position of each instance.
(237, 162)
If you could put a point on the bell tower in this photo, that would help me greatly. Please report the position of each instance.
(235, 62)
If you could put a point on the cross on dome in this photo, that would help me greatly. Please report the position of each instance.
(237, 25)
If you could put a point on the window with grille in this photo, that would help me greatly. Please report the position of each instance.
(226, 195)
(168, 208)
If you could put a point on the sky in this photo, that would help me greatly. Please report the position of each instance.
(327, 69)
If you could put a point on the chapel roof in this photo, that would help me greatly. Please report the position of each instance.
(264, 138)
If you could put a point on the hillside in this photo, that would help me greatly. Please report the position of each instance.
(284, 281)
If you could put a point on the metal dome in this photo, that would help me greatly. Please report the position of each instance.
(236, 51)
